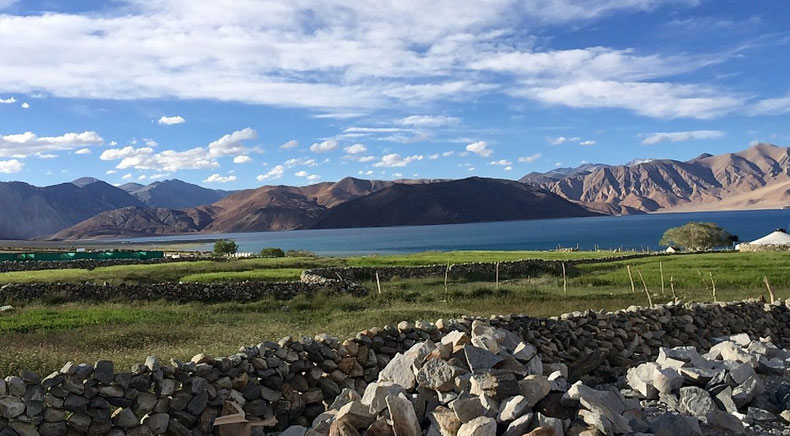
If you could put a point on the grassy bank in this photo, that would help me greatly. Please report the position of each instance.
(42, 337)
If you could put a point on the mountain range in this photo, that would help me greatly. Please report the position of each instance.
(757, 177)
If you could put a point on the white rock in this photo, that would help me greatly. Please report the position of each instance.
(399, 371)
(404, 419)
(480, 426)
(376, 394)
(512, 408)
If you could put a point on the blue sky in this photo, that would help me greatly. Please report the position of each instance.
(238, 94)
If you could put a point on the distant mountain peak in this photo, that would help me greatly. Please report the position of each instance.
(84, 181)
(636, 162)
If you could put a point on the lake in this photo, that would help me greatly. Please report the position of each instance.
(638, 232)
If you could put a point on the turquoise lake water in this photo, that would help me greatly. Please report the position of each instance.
(627, 232)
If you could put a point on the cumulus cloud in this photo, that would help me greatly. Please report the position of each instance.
(396, 160)
(8, 100)
(25, 144)
(275, 173)
(366, 159)
(216, 178)
(10, 166)
(355, 149)
(300, 161)
(323, 147)
(146, 158)
(169, 121)
(529, 159)
(46, 155)
(655, 138)
(25, 105)
(587, 142)
(241, 159)
(290, 144)
(501, 162)
(479, 148)
(83, 151)
(562, 140)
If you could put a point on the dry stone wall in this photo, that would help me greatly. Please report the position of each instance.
(39, 265)
(296, 380)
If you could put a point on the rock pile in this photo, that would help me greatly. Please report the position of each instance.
(485, 383)
(738, 384)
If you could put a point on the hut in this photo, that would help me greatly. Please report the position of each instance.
(778, 240)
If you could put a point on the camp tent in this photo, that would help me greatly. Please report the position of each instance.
(777, 237)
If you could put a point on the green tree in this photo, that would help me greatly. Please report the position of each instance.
(225, 247)
(272, 252)
(696, 236)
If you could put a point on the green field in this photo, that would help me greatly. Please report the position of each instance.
(42, 336)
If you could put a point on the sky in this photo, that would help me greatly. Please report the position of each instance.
(237, 94)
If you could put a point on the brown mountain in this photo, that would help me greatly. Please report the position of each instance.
(459, 201)
(757, 177)
(30, 211)
(265, 208)
(173, 194)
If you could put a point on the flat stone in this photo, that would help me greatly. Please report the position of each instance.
(742, 372)
(11, 407)
(513, 408)
(525, 352)
(379, 428)
(295, 430)
(356, 414)
(744, 393)
(376, 394)
(726, 421)
(399, 371)
(124, 418)
(754, 414)
(520, 425)
(342, 428)
(479, 359)
(404, 418)
(466, 409)
(480, 426)
(498, 386)
(543, 431)
(724, 400)
(534, 388)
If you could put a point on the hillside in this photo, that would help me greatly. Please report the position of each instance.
(757, 177)
(460, 201)
(30, 211)
(173, 194)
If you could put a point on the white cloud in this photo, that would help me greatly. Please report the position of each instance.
(290, 144)
(83, 151)
(108, 172)
(448, 153)
(501, 162)
(241, 159)
(372, 130)
(275, 173)
(126, 176)
(480, 148)
(145, 158)
(301, 173)
(396, 160)
(771, 106)
(529, 159)
(508, 168)
(433, 156)
(313, 177)
(562, 140)
(25, 105)
(216, 178)
(587, 142)
(366, 159)
(397, 174)
(8, 100)
(300, 161)
(655, 138)
(169, 121)
(429, 121)
(323, 147)
(355, 149)
(46, 155)
(24, 144)
(142, 177)
(10, 166)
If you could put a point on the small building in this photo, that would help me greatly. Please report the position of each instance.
(778, 240)
(672, 249)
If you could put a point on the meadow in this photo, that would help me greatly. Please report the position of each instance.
(43, 336)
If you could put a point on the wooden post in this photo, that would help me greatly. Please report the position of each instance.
(631, 277)
(672, 286)
(713, 284)
(378, 283)
(661, 268)
(649, 299)
(768, 285)
(564, 280)
(497, 275)
(446, 276)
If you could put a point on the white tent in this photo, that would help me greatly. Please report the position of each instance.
(778, 237)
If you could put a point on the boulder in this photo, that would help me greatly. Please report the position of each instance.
(404, 418)
(480, 426)
(533, 388)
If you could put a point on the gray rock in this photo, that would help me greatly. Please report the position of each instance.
(157, 422)
(525, 352)
(24, 429)
(466, 409)
(520, 426)
(376, 395)
(744, 393)
(669, 424)
(726, 421)
(480, 426)
(696, 401)
(294, 430)
(534, 388)
(356, 414)
(11, 407)
(479, 359)
(724, 400)
(754, 414)
(404, 418)
(436, 374)
(446, 421)
(399, 371)
(124, 418)
(498, 386)
(513, 408)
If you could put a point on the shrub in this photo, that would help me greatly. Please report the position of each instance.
(300, 253)
(696, 236)
(272, 252)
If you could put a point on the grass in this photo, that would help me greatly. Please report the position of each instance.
(44, 335)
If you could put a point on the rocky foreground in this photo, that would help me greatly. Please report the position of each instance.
(490, 383)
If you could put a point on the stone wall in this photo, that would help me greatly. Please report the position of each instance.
(755, 248)
(295, 380)
(180, 292)
(38, 265)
